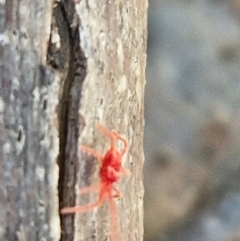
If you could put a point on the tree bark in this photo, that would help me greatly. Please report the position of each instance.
(66, 66)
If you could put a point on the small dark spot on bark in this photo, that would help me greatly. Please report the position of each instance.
(19, 138)
(15, 32)
(45, 103)
(24, 35)
(82, 122)
(94, 236)
(43, 137)
(46, 76)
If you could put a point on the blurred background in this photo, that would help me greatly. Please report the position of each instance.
(192, 114)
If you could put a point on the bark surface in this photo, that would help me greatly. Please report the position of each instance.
(64, 67)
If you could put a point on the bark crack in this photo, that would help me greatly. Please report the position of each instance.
(67, 58)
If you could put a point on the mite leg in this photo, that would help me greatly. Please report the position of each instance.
(113, 135)
(125, 143)
(126, 172)
(115, 232)
(78, 209)
(108, 133)
(117, 193)
(92, 188)
(92, 152)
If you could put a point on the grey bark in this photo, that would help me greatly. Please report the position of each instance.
(63, 68)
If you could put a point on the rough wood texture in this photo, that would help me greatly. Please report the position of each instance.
(43, 108)
(113, 39)
(29, 135)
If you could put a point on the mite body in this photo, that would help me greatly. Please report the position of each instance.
(110, 172)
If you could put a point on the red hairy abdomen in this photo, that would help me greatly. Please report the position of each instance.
(111, 167)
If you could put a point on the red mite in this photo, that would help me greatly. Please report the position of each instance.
(110, 172)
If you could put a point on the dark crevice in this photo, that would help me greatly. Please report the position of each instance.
(70, 63)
